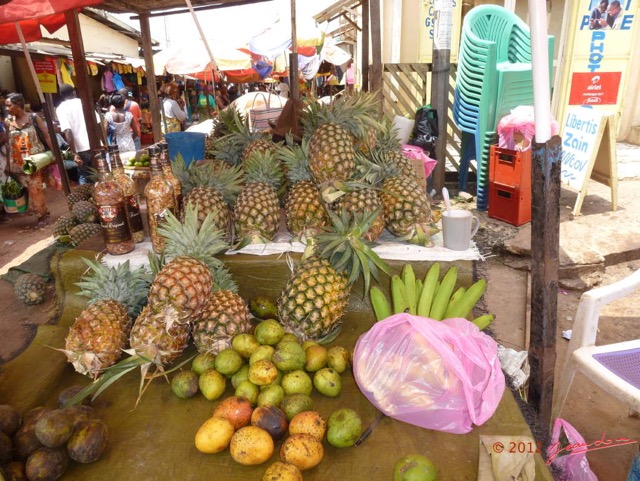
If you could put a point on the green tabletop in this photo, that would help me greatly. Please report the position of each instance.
(155, 440)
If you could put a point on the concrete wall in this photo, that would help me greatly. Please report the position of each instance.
(99, 38)
(6, 74)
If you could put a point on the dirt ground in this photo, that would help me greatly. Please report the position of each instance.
(592, 412)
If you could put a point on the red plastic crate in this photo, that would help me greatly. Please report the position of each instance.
(510, 167)
(509, 203)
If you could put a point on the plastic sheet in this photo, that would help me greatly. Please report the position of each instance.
(442, 375)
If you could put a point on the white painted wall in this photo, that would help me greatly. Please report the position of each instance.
(99, 38)
(6, 74)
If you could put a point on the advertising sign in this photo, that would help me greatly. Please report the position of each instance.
(46, 72)
(450, 11)
(588, 152)
(599, 46)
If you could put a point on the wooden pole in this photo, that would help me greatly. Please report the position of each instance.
(441, 58)
(366, 23)
(82, 78)
(545, 246)
(152, 89)
(294, 86)
(47, 113)
(376, 49)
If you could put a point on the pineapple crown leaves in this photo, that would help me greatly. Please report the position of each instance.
(296, 159)
(263, 167)
(221, 176)
(186, 239)
(387, 138)
(375, 167)
(235, 120)
(223, 281)
(119, 283)
(346, 249)
(229, 149)
(113, 373)
(353, 113)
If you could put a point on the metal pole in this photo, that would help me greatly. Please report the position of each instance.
(47, 114)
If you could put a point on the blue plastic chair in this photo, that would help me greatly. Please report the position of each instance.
(494, 76)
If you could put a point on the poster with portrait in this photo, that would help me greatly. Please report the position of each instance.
(597, 56)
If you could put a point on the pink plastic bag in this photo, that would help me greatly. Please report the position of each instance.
(572, 463)
(414, 152)
(442, 375)
(516, 130)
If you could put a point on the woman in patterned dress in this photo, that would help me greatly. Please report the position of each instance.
(24, 141)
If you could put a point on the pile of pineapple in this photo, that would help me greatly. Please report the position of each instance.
(349, 159)
(345, 182)
(82, 221)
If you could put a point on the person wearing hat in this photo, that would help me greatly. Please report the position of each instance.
(74, 130)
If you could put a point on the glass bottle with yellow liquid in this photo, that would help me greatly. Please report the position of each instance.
(160, 199)
(132, 199)
(109, 199)
(170, 176)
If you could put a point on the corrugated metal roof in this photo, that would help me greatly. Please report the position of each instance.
(168, 7)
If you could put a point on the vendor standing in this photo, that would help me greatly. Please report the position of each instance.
(173, 108)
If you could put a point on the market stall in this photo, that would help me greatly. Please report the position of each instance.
(155, 440)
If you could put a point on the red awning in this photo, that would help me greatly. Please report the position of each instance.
(31, 14)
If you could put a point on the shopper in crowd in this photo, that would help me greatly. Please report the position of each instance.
(121, 121)
(24, 140)
(74, 129)
(233, 93)
(132, 106)
(173, 108)
(222, 97)
(206, 104)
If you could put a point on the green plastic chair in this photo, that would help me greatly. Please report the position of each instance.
(494, 76)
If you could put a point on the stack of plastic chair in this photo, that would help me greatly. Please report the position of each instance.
(494, 76)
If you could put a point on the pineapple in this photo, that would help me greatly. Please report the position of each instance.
(332, 131)
(257, 211)
(362, 199)
(30, 289)
(86, 190)
(407, 211)
(63, 225)
(96, 339)
(82, 232)
(315, 297)
(226, 316)
(185, 281)
(305, 213)
(389, 144)
(82, 192)
(177, 297)
(236, 147)
(159, 336)
(85, 211)
(212, 187)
